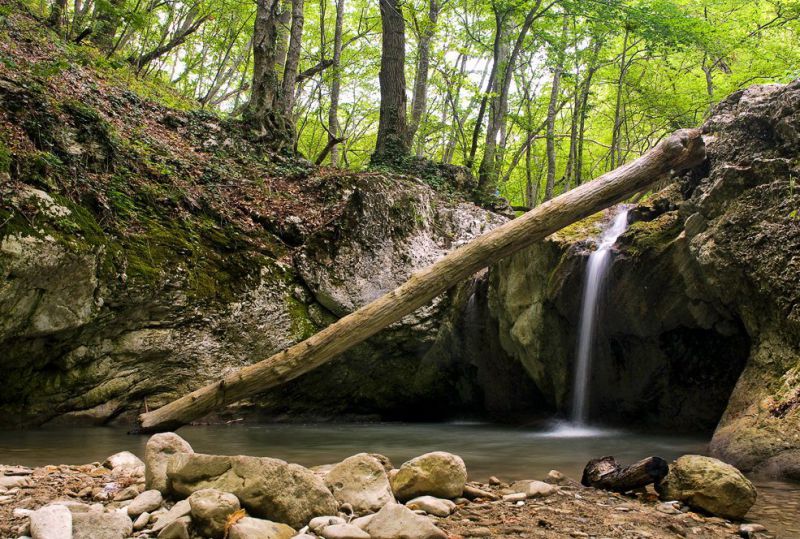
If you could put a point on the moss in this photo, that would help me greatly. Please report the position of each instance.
(5, 158)
(302, 326)
(586, 228)
(653, 236)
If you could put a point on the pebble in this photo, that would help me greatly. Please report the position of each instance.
(147, 501)
(515, 497)
(318, 523)
(141, 521)
(479, 532)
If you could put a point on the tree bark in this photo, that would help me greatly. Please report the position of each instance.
(419, 101)
(56, 14)
(392, 142)
(292, 58)
(684, 149)
(336, 85)
(607, 474)
(551, 114)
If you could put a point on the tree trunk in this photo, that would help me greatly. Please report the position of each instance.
(336, 84)
(292, 58)
(551, 115)
(57, 14)
(392, 143)
(107, 19)
(419, 101)
(607, 474)
(615, 134)
(282, 33)
(682, 150)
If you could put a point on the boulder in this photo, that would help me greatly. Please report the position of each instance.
(211, 509)
(266, 487)
(437, 474)
(179, 510)
(533, 489)
(343, 531)
(51, 522)
(147, 501)
(317, 523)
(160, 447)
(177, 529)
(439, 507)
(123, 459)
(709, 485)
(114, 525)
(141, 521)
(362, 482)
(255, 528)
(395, 521)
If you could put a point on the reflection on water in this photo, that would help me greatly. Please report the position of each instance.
(507, 452)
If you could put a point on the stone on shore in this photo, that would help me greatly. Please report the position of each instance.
(123, 459)
(362, 482)
(141, 521)
(439, 507)
(317, 523)
(710, 485)
(256, 528)
(179, 510)
(146, 502)
(343, 531)
(437, 474)
(51, 522)
(92, 525)
(211, 509)
(266, 487)
(160, 448)
(533, 489)
(395, 521)
(177, 529)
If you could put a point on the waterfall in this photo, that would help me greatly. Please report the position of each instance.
(596, 270)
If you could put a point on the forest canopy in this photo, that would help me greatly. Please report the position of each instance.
(534, 96)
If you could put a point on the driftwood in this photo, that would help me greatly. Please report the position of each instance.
(680, 151)
(607, 474)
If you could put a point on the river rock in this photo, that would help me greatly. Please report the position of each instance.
(317, 523)
(147, 501)
(395, 521)
(114, 525)
(710, 485)
(179, 510)
(533, 489)
(360, 481)
(266, 487)
(123, 459)
(343, 531)
(141, 521)
(177, 529)
(437, 474)
(439, 507)
(256, 528)
(160, 448)
(51, 522)
(211, 509)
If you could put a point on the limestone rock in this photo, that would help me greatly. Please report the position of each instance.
(179, 510)
(317, 523)
(343, 531)
(114, 525)
(437, 474)
(51, 522)
(160, 447)
(439, 507)
(395, 521)
(211, 509)
(533, 488)
(177, 529)
(147, 501)
(141, 521)
(255, 528)
(266, 487)
(123, 459)
(710, 485)
(362, 482)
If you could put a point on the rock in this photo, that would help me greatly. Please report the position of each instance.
(211, 509)
(115, 525)
(343, 531)
(160, 447)
(439, 507)
(147, 501)
(747, 530)
(177, 529)
(14, 481)
(556, 477)
(317, 523)
(51, 522)
(123, 459)
(710, 485)
(437, 474)
(493, 480)
(180, 509)
(128, 493)
(515, 497)
(362, 522)
(141, 521)
(395, 521)
(533, 488)
(255, 528)
(266, 487)
(360, 481)
(73, 506)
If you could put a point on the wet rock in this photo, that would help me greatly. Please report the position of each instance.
(160, 448)
(147, 501)
(533, 488)
(343, 531)
(255, 528)
(211, 509)
(360, 481)
(177, 529)
(437, 474)
(395, 521)
(439, 507)
(180, 509)
(710, 485)
(51, 522)
(114, 525)
(266, 487)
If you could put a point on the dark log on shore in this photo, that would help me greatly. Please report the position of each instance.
(607, 474)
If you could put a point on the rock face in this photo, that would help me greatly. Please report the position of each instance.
(709, 485)
(438, 474)
(266, 487)
(362, 482)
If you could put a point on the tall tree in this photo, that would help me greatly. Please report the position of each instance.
(336, 85)
(425, 30)
(555, 90)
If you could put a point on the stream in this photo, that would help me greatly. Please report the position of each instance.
(488, 449)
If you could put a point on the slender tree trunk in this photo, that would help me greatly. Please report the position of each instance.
(678, 152)
(584, 108)
(336, 84)
(56, 16)
(107, 19)
(623, 67)
(555, 90)
(419, 101)
(293, 58)
(265, 81)
(282, 41)
(392, 142)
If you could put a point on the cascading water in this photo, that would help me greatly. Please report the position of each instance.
(596, 270)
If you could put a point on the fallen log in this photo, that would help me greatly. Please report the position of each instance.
(607, 474)
(682, 150)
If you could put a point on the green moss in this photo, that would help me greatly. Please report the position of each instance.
(586, 228)
(653, 236)
(302, 326)
(5, 158)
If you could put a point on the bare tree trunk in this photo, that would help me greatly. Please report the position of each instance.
(551, 115)
(419, 101)
(336, 84)
(615, 134)
(584, 110)
(282, 39)
(392, 142)
(56, 16)
(682, 150)
(107, 19)
(293, 58)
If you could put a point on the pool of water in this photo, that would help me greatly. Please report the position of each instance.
(505, 451)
